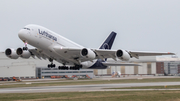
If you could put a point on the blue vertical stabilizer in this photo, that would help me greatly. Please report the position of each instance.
(109, 41)
(106, 45)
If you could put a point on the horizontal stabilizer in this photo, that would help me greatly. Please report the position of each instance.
(119, 64)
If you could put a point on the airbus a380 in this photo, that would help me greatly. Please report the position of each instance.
(52, 46)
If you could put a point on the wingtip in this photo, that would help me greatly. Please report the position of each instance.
(171, 53)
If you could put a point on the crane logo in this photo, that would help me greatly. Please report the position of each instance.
(105, 46)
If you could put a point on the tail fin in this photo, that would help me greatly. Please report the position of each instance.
(109, 41)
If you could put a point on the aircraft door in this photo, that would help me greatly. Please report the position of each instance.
(36, 33)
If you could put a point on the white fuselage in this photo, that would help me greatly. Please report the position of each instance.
(45, 40)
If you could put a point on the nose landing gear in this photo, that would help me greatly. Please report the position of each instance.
(25, 48)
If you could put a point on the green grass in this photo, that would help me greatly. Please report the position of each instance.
(95, 96)
(151, 87)
(90, 82)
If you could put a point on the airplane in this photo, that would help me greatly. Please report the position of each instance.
(52, 46)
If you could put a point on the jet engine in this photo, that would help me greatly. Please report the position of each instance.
(23, 53)
(11, 53)
(123, 55)
(88, 53)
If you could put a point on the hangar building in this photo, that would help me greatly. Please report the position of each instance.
(27, 68)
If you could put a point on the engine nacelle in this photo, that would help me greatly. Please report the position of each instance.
(23, 53)
(11, 53)
(88, 53)
(123, 55)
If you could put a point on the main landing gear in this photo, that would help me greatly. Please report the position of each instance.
(51, 65)
(63, 67)
(76, 67)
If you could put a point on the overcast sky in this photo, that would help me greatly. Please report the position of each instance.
(141, 25)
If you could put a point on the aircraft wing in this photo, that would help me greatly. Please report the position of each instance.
(103, 54)
(119, 64)
(38, 53)
(73, 55)
(136, 54)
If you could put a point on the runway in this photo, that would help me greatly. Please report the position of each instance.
(85, 88)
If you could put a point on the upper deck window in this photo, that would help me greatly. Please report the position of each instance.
(26, 28)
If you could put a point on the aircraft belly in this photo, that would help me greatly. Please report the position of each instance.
(96, 64)
(88, 64)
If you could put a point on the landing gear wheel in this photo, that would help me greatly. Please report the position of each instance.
(25, 48)
(76, 67)
(63, 68)
(51, 65)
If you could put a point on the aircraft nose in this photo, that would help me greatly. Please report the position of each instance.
(21, 34)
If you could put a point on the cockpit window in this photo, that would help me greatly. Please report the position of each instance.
(26, 28)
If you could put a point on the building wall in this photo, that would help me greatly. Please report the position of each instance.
(178, 68)
(95, 72)
(143, 68)
(20, 67)
(149, 68)
(122, 70)
(171, 67)
(115, 69)
(5, 61)
(48, 72)
(129, 70)
(136, 69)
(102, 72)
(153, 68)
(109, 71)
(160, 67)
(18, 71)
